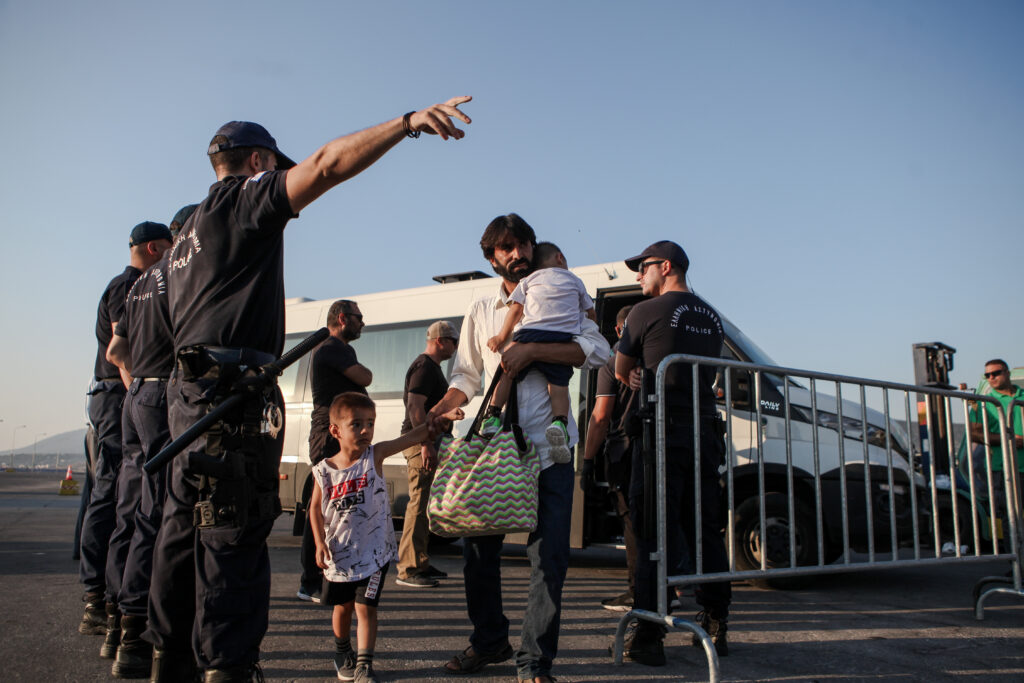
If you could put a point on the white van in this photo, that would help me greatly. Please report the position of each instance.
(395, 333)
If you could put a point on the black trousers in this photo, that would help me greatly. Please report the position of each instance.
(100, 516)
(680, 511)
(210, 591)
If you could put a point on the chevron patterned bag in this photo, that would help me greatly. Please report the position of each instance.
(486, 486)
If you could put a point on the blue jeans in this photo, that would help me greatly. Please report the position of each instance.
(548, 551)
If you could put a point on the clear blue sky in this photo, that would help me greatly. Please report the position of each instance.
(848, 178)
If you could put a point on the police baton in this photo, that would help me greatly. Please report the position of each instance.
(649, 523)
(267, 375)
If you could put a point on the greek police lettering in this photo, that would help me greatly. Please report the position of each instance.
(191, 242)
(674, 322)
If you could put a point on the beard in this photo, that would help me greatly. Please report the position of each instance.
(349, 334)
(514, 271)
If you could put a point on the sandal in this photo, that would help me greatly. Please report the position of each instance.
(469, 661)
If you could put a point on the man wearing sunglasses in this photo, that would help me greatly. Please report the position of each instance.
(425, 385)
(997, 372)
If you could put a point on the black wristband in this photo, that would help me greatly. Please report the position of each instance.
(409, 132)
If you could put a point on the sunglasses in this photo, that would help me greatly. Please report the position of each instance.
(994, 373)
(643, 266)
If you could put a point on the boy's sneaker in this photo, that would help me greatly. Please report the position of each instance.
(490, 426)
(308, 594)
(416, 581)
(345, 665)
(364, 674)
(558, 439)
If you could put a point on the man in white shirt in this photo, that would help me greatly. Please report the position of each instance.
(507, 244)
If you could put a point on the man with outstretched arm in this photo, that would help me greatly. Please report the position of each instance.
(210, 593)
(508, 244)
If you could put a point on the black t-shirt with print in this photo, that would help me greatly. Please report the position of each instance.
(146, 323)
(327, 371)
(226, 276)
(676, 322)
(110, 310)
(616, 440)
(425, 378)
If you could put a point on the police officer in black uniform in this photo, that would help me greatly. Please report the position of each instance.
(676, 320)
(146, 243)
(144, 347)
(210, 591)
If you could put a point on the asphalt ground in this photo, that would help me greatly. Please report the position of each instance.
(913, 624)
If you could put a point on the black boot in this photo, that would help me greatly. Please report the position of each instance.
(173, 666)
(716, 628)
(94, 621)
(646, 644)
(109, 648)
(235, 674)
(134, 655)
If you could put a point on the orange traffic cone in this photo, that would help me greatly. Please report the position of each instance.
(68, 486)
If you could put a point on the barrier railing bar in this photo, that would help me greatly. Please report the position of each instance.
(932, 481)
(730, 491)
(791, 493)
(819, 516)
(843, 498)
(894, 540)
(698, 549)
(951, 457)
(868, 501)
(759, 427)
(913, 485)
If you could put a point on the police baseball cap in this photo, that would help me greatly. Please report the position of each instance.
(665, 249)
(442, 329)
(247, 134)
(147, 231)
(180, 218)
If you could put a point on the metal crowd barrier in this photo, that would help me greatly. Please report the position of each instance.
(788, 442)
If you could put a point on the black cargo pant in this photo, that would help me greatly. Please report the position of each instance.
(210, 591)
(145, 434)
(105, 399)
(681, 520)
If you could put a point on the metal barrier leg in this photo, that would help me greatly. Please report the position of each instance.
(673, 622)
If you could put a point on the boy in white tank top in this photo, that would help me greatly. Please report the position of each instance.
(351, 520)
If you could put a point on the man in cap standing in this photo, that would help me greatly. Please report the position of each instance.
(675, 320)
(425, 385)
(148, 240)
(210, 593)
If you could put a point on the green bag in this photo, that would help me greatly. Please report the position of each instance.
(486, 486)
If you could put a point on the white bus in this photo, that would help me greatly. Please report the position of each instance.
(395, 333)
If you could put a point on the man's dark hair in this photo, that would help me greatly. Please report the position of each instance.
(231, 160)
(349, 401)
(337, 308)
(998, 361)
(620, 317)
(544, 251)
(511, 224)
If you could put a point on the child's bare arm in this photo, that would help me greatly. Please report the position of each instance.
(316, 522)
(512, 318)
(590, 314)
(425, 432)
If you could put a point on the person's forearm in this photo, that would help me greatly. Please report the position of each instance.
(568, 353)
(597, 430)
(454, 398)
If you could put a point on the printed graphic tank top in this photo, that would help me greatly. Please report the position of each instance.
(357, 518)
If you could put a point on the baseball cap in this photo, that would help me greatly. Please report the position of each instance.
(665, 249)
(248, 134)
(180, 218)
(442, 329)
(147, 231)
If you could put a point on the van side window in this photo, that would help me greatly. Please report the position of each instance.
(389, 350)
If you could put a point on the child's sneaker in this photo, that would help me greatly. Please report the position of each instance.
(365, 674)
(490, 426)
(558, 439)
(345, 665)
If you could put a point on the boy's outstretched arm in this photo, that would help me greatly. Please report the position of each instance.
(427, 431)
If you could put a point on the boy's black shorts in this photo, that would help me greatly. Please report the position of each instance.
(364, 591)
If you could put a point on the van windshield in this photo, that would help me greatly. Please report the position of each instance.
(751, 350)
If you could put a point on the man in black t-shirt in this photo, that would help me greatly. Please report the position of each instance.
(333, 370)
(425, 385)
(146, 243)
(143, 346)
(210, 593)
(674, 321)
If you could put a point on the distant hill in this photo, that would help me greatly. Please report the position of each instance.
(59, 450)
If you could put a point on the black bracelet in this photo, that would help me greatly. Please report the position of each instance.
(409, 132)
